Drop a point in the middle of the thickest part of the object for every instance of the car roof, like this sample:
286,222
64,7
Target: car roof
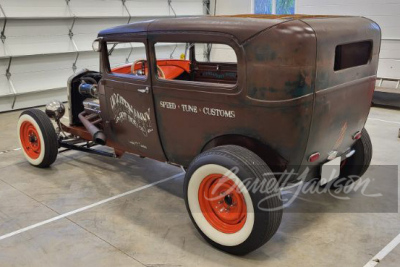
242,27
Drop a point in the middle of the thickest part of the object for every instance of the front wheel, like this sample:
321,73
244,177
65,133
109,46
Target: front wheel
233,199
37,138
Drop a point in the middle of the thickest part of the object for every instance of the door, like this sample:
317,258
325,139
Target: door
201,102
128,94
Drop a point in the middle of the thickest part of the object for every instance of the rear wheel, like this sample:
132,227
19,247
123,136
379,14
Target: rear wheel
37,138
354,167
224,202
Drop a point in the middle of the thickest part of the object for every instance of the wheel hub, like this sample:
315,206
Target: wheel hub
32,138
222,203
228,200
29,140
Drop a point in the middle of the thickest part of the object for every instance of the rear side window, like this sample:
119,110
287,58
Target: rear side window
352,55
215,53
196,62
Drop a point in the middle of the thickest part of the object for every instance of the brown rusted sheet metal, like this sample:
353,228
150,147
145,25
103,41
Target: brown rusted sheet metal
343,98
240,28
272,101
288,99
281,16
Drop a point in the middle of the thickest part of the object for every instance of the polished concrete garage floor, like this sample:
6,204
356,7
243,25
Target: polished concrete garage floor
69,224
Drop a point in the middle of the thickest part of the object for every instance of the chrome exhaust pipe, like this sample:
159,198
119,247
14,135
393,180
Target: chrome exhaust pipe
97,134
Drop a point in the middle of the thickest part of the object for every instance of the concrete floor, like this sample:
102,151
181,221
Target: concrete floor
150,227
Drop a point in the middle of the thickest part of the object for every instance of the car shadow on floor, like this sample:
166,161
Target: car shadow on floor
303,214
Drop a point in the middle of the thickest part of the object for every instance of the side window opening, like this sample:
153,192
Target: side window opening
352,55
217,53
128,58
196,62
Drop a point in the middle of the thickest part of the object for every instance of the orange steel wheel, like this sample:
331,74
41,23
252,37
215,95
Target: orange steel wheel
30,140
222,204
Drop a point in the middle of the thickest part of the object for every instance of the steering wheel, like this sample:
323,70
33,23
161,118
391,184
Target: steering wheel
160,72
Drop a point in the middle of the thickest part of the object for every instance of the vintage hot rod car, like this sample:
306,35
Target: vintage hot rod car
236,101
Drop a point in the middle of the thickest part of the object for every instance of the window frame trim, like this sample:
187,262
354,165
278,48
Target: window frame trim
198,37
356,66
106,67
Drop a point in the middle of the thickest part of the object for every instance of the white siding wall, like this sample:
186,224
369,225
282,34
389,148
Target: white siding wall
43,54
385,12
232,7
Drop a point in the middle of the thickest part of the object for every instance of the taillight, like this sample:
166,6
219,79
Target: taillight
314,157
357,135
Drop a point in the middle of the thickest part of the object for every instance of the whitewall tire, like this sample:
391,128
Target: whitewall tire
222,204
37,138
226,239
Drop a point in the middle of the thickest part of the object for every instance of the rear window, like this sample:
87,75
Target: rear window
352,55
196,62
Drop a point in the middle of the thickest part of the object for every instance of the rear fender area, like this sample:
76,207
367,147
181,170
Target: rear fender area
347,61
272,158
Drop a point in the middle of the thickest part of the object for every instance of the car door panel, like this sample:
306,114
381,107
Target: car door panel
131,119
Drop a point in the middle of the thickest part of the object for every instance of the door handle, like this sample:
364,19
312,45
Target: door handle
144,91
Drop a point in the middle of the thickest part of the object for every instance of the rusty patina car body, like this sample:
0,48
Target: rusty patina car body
298,96
288,101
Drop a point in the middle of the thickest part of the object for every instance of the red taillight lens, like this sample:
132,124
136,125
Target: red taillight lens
314,157
357,135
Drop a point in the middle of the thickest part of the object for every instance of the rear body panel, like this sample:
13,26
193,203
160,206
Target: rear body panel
342,97
280,87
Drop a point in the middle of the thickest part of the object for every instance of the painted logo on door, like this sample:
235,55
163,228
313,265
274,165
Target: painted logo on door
123,111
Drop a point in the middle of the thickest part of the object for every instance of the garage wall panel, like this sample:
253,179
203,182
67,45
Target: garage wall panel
4,86
385,12
232,7
31,37
40,98
35,8
41,72
362,9
30,45
389,68
37,27
43,52
187,7
5,101
3,65
5,89
345,2
2,51
170,51
98,8
149,8
88,60
390,49
86,30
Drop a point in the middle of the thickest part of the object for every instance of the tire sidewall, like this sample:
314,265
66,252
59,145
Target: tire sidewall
359,162
28,118
357,165
259,229
194,206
